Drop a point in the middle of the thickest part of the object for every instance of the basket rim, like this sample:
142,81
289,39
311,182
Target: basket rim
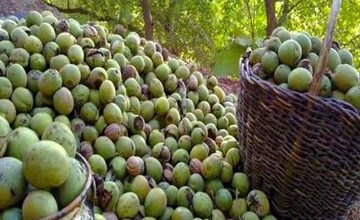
80,198
343,107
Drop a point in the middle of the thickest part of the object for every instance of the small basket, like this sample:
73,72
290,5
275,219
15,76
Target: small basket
81,208
300,149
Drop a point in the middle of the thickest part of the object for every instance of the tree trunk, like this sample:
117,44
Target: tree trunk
169,28
270,15
145,6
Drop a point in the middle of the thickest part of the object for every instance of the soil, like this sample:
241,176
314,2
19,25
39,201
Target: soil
227,84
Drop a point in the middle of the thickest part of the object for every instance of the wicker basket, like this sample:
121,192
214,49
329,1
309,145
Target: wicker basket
301,149
81,208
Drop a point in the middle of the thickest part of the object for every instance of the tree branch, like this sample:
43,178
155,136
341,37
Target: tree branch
270,15
352,41
284,13
247,4
169,26
286,9
328,41
146,9
79,10
67,10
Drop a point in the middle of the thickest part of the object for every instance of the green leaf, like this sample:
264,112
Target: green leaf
243,41
227,61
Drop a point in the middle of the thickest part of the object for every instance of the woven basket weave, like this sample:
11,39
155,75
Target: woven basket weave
309,168
301,149
80,208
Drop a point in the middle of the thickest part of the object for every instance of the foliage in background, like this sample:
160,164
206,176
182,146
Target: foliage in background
216,32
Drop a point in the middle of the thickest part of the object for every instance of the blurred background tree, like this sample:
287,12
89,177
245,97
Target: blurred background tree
215,33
